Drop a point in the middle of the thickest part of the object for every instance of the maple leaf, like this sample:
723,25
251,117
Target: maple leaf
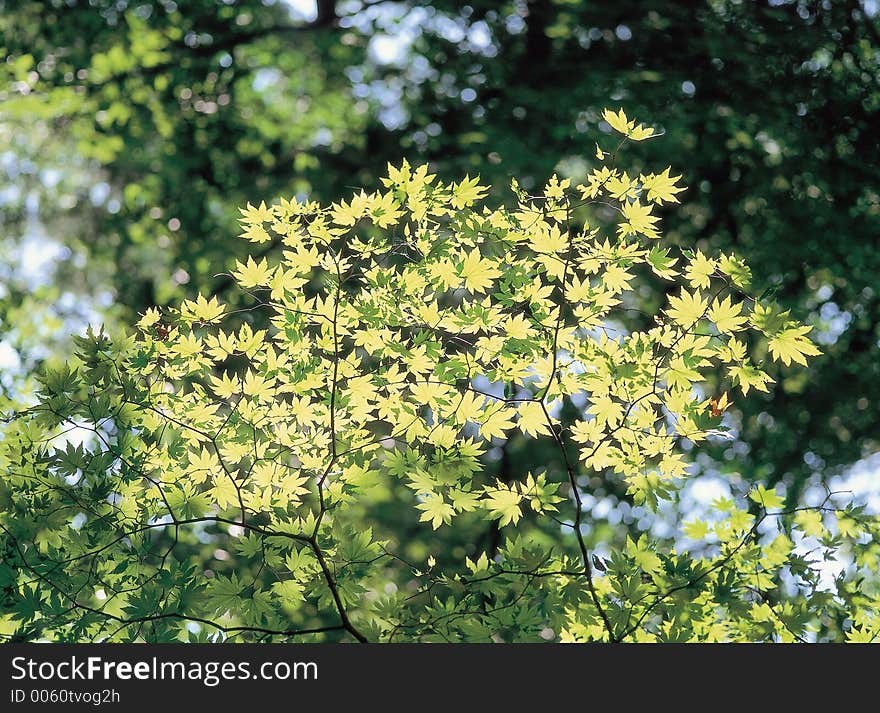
468,190
497,423
727,315
478,272
661,186
532,419
203,310
606,410
791,345
687,308
435,510
620,123
700,270
259,214
252,273
638,220
503,504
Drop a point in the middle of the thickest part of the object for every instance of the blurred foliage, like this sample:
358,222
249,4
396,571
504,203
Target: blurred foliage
154,120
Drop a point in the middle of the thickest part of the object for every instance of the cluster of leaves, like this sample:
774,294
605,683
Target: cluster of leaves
768,179
184,110
409,332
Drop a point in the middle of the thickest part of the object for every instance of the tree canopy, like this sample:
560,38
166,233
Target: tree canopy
132,132
183,111
409,331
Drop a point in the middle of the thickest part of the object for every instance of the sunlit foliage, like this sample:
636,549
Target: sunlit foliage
409,331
